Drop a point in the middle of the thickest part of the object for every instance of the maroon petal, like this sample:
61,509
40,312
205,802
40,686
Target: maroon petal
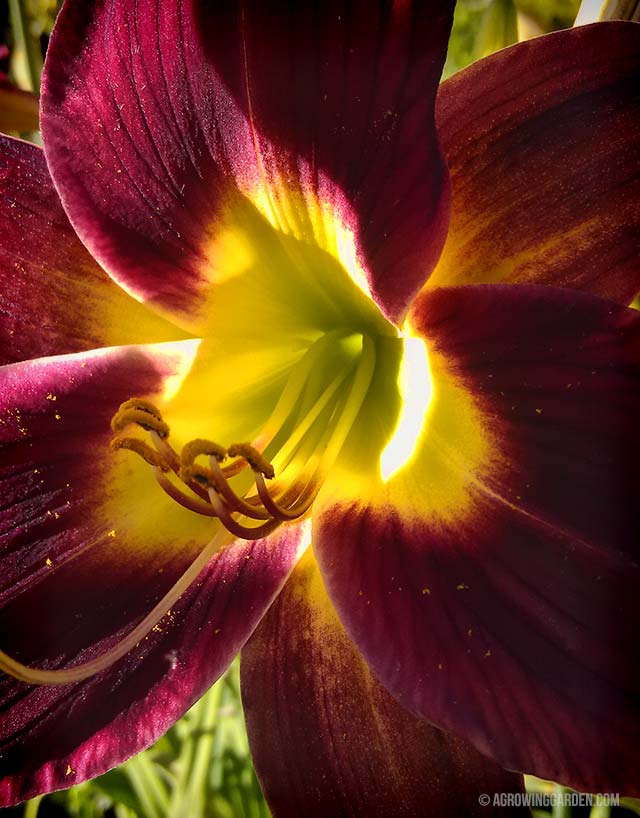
543,146
154,115
86,550
54,298
329,741
491,583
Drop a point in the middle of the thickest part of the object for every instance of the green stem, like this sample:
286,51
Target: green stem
204,749
32,806
26,43
591,11
621,10
560,810
150,790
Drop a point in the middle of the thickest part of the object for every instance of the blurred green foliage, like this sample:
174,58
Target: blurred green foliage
200,769
481,27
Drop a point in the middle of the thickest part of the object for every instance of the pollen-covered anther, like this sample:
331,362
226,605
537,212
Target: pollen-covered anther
253,457
200,446
143,404
134,444
131,415
194,473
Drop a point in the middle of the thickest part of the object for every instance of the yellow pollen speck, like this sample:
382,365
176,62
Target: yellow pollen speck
487,654
70,770
57,416
462,587
426,590
48,561
112,533
51,396
538,411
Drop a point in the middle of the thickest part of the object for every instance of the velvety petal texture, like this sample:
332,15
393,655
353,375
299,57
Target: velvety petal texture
54,298
491,581
90,545
320,117
543,146
329,741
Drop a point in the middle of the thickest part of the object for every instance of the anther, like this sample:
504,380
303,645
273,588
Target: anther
198,474
146,420
143,404
253,457
134,444
198,447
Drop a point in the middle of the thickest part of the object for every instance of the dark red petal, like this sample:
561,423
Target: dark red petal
86,549
153,114
492,582
54,298
543,146
329,741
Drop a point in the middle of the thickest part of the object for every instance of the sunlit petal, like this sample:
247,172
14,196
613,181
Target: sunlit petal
89,547
326,737
490,581
543,145
54,298
325,154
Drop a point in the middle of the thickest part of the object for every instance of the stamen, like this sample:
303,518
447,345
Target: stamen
142,404
277,510
146,420
234,502
134,444
353,404
236,528
293,441
253,457
298,379
195,473
191,503
166,450
199,446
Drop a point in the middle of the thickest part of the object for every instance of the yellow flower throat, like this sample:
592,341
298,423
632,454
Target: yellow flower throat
298,445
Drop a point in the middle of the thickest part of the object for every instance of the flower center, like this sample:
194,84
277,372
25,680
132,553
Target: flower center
285,466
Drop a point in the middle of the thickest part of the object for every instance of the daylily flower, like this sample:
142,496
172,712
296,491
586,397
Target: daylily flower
372,361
